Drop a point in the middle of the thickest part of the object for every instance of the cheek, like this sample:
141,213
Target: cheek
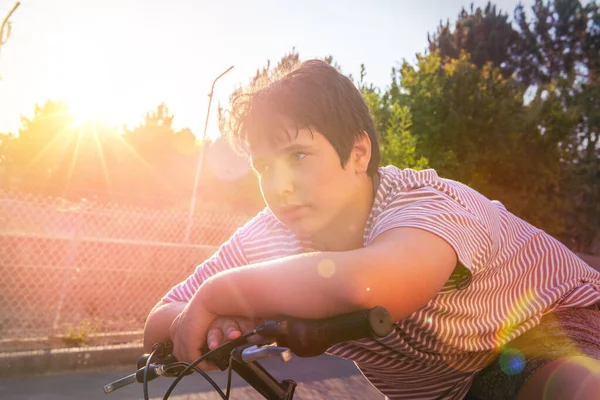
335,188
265,190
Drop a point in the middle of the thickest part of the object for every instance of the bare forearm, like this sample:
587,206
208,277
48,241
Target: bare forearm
401,270
159,321
313,285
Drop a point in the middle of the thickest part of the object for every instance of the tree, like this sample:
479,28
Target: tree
158,163
487,35
558,43
38,156
379,103
150,165
553,58
393,123
472,126
560,56
400,145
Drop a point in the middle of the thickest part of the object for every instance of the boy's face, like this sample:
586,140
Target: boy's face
304,184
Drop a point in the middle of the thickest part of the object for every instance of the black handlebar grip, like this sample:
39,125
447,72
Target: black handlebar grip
310,338
221,356
162,353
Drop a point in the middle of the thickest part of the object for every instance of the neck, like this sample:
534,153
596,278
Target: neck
347,230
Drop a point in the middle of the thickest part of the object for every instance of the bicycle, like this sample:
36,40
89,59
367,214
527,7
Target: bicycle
280,337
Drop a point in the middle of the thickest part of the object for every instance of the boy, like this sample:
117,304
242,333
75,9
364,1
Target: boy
469,284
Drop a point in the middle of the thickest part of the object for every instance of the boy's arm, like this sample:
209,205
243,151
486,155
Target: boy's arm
229,255
402,270
159,321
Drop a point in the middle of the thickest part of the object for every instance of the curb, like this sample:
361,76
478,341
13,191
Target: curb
39,362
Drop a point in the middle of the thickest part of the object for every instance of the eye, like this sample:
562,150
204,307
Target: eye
297,156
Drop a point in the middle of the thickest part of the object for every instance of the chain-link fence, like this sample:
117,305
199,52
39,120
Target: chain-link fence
63,264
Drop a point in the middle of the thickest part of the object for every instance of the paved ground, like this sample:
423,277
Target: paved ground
323,377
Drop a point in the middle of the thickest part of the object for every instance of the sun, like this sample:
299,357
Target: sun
99,107
92,99
84,112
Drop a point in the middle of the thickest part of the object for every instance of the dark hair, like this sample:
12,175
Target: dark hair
313,95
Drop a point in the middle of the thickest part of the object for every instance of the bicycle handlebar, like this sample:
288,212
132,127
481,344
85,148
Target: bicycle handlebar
303,337
312,337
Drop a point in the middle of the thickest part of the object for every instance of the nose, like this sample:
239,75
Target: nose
282,181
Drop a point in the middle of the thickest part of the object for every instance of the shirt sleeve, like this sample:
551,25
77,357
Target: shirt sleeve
451,218
229,255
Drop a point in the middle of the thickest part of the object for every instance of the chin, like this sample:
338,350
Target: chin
299,230
302,228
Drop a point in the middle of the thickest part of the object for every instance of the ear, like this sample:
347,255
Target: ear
361,153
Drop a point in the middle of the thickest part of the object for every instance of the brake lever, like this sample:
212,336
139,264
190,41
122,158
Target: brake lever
254,353
221,357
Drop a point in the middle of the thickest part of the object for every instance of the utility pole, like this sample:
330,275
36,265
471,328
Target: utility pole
6,25
190,219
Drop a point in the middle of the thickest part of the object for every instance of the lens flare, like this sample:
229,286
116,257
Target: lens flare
514,316
512,362
326,268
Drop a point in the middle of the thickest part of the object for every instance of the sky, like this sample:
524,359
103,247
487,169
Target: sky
118,59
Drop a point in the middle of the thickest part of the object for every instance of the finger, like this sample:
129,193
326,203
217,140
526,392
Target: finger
182,353
231,329
214,337
234,335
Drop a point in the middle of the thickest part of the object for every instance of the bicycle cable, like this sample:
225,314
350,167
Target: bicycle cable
198,370
229,370
199,360
146,397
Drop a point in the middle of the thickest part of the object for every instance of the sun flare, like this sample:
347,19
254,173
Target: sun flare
84,113
91,98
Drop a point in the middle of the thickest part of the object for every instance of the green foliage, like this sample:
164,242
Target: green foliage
465,120
378,103
486,34
560,58
400,149
470,124
562,37
82,334
512,110
538,129
393,122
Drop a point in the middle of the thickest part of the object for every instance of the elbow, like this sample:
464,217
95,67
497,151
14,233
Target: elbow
359,290
385,284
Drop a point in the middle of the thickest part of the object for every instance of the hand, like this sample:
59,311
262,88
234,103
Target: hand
188,332
229,328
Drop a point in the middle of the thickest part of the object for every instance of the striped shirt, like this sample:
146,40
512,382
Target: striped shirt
509,275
